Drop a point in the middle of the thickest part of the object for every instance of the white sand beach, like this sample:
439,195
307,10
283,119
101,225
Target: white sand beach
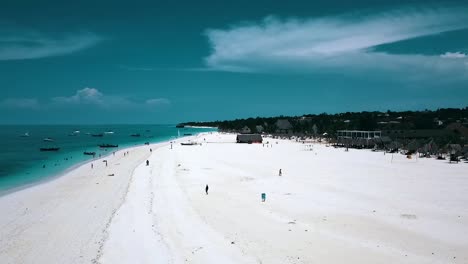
329,206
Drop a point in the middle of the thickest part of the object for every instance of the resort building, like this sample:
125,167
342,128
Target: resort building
358,134
249,138
358,138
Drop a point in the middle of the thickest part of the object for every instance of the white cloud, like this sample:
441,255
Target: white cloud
33,45
338,42
20,103
453,55
93,97
87,97
83,96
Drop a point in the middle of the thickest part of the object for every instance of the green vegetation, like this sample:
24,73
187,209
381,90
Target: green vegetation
427,122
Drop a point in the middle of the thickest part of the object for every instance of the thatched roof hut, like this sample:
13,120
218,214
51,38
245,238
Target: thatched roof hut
283,126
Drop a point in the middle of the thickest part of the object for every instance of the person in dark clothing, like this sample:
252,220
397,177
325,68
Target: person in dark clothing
147,162
206,189
280,172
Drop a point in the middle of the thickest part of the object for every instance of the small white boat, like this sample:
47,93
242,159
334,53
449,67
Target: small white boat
75,133
48,140
25,134
109,132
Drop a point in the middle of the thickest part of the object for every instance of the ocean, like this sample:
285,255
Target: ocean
22,163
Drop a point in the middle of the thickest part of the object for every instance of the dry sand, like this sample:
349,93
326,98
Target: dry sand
329,206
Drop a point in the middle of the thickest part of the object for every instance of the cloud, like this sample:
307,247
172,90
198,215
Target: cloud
453,55
93,97
83,96
332,43
20,103
34,45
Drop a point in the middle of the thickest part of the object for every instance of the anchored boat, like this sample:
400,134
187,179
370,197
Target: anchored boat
49,149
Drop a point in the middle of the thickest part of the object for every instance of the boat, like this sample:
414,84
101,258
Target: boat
97,135
135,135
188,143
48,140
108,146
25,135
89,153
109,132
49,149
74,133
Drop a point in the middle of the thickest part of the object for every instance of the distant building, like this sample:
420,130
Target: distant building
358,134
358,137
283,126
246,130
249,138
305,119
438,121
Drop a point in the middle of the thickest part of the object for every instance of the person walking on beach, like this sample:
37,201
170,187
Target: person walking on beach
206,189
280,172
92,166
147,162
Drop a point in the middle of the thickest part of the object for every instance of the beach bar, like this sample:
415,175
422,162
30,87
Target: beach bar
249,138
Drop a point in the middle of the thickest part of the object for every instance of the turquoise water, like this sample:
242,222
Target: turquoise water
22,163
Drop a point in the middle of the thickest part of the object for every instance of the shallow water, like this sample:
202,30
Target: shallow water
22,163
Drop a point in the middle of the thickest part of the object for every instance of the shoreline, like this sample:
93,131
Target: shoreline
55,175
76,207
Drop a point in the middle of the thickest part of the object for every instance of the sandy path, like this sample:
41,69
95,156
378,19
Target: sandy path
159,225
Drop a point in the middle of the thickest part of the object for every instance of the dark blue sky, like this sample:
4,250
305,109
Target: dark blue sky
174,61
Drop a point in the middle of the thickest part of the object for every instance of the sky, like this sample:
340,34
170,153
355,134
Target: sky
165,62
